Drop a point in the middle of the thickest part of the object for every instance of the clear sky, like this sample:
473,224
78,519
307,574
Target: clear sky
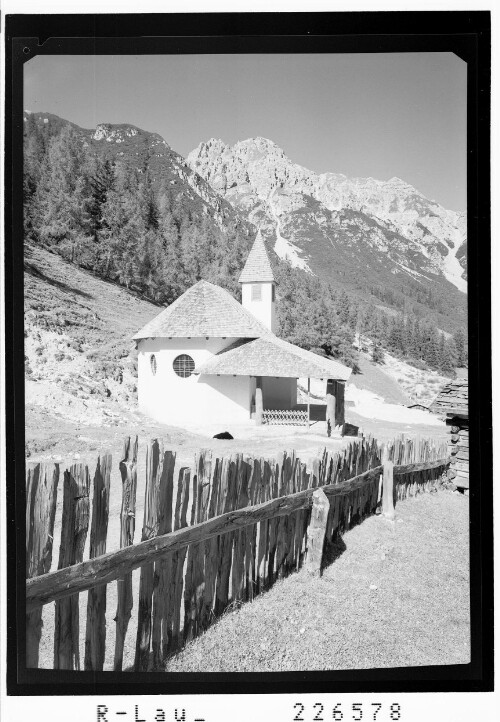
379,115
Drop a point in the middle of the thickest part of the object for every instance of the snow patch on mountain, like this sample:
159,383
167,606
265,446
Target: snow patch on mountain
288,251
414,274
285,249
452,268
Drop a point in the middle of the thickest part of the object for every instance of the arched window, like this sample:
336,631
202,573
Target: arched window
152,361
183,366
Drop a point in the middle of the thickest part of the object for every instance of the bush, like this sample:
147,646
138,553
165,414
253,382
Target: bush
377,354
318,350
418,364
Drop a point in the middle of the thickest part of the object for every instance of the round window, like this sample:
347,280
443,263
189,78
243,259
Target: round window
152,361
183,365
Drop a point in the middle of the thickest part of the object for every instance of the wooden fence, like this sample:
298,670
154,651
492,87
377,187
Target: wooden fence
416,470
212,536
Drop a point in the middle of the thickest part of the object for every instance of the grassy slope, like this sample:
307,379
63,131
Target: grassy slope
374,378
398,379
344,258
418,614
100,318
80,359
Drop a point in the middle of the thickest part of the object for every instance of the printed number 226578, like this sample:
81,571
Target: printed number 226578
342,713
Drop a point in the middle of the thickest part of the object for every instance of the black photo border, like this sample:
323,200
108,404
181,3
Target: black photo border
465,33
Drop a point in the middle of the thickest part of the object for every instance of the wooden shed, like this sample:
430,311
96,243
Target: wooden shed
453,403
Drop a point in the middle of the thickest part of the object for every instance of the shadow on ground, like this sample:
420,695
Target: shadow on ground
333,550
34,271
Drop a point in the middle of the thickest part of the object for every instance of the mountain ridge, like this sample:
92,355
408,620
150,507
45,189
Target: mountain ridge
350,248
166,166
256,177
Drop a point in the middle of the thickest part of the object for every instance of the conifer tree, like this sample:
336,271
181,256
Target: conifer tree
34,147
449,357
102,180
62,195
461,347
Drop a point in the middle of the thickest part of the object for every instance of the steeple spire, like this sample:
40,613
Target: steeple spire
258,284
257,267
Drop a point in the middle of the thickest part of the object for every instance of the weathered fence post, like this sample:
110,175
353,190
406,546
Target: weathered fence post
75,524
263,547
229,488
238,564
128,470
41,498
154,454
175,589
196,553
95,635
251,540
316,531
387,484
211,548
163,567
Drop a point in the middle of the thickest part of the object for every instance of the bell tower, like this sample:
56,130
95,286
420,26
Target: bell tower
258,285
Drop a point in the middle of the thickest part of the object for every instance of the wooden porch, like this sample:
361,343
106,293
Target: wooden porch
333,411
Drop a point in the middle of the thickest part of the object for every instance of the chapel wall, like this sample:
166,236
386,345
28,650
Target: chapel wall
171,399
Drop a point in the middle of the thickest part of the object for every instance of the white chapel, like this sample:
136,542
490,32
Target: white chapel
207,358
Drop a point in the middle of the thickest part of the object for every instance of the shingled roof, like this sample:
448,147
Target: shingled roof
258,267
271,356
204,310
453,399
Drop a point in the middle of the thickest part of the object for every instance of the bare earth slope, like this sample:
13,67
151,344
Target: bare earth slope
78,331
80,360
374,378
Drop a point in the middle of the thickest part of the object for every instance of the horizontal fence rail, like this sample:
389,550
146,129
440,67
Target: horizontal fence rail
422,466
215,534
114,565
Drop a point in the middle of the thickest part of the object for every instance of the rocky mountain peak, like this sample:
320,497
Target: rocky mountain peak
257,148
257,178
114,133
209,148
